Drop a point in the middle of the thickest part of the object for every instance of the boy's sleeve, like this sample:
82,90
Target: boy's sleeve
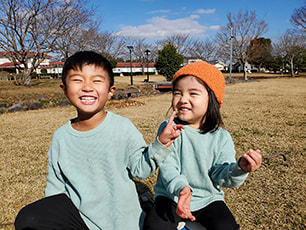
226,171
55,181
143,160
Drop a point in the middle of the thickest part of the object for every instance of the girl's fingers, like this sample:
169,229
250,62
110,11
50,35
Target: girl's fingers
254,160
171,119
178,127
254,155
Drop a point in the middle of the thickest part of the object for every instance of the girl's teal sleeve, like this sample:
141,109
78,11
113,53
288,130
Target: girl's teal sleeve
226,171
170,170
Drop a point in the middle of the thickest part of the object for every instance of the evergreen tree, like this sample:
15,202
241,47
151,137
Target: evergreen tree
168,61
259,52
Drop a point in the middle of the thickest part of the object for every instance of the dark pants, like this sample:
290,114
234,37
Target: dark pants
215,216
54,212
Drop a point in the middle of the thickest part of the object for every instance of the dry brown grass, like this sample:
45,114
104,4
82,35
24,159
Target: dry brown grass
269,114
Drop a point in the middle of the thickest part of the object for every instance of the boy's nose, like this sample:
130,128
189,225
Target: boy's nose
87,86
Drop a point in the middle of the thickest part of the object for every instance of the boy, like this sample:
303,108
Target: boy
93,156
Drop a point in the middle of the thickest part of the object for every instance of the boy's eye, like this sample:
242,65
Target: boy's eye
98,80
76,79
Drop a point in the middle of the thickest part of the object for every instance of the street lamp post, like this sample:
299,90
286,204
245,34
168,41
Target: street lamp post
147,52
231,55
130,49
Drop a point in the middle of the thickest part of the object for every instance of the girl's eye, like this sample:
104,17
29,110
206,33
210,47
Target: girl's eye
176,92
195,93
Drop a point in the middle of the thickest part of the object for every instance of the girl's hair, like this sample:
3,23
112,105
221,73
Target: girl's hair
212,119
79,59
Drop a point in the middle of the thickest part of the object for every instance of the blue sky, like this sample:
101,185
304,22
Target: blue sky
157,19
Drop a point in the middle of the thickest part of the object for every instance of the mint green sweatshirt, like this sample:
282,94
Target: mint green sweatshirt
201,161
94,169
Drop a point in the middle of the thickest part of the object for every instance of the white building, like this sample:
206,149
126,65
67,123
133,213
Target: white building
124,68
51,67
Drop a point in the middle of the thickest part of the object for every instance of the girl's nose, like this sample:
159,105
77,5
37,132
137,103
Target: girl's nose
183,98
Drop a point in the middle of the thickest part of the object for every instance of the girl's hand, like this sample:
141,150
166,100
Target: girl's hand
183,204
250,161
170,132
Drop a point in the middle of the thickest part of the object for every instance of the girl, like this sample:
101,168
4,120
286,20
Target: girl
203,158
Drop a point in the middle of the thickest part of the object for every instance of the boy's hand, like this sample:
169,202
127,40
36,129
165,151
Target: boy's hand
170,132
250,161
183,204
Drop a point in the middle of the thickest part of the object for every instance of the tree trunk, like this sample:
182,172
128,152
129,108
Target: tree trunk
245,74
292,67
27,77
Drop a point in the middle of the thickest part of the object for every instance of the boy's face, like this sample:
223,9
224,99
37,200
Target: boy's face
88,89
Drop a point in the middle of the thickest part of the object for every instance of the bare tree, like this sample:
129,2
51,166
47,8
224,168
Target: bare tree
203,49
76,37
298,18
34,27
182,42
110,45
246,27
290,46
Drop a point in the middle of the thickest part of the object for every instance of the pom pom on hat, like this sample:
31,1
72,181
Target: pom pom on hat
206,72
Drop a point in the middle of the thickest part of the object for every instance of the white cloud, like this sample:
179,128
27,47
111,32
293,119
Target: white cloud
158,11
194,16
161,27
202,11
214,27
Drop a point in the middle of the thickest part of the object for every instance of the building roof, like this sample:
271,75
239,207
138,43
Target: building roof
61,63
134,64
8,65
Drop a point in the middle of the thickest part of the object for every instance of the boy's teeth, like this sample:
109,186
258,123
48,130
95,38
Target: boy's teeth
87,98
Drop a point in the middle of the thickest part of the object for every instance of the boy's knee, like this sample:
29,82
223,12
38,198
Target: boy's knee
26,219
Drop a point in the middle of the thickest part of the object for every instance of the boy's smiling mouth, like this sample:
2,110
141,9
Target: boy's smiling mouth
88,100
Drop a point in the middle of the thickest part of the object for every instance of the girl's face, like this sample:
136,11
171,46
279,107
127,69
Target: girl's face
190,101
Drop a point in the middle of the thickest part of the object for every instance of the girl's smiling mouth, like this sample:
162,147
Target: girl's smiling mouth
183,109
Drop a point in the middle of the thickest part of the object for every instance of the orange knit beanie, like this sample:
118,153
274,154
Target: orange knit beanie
206,72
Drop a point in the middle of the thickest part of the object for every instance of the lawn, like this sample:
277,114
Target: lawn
269,114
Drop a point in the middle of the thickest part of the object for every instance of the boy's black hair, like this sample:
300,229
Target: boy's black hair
212,118
81,58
